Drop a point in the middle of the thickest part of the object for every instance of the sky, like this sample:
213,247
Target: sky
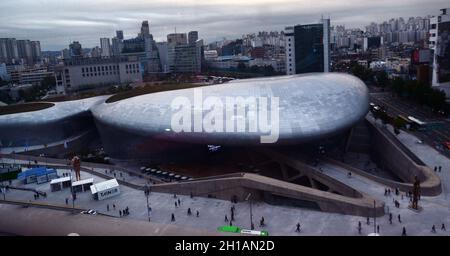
58,22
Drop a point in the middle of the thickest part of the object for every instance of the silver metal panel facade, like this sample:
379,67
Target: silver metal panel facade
57,123
312,107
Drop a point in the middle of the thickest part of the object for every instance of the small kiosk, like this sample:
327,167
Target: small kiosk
37,175
60,183
82,185
105,189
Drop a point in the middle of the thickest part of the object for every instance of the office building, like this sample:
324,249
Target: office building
308,48
373,42
75,49
145,30
96,52
9,52
119,34
192,37
81,73
117,46
106,47
185,58
440,46
177,38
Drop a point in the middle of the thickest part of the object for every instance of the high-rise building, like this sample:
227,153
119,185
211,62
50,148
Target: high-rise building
308,48
440,45
185,58
75,49
117,46
192,37
106,47
96,52
9,52
373,42
119,34
177,38
145,29
36,51
24,50
163,56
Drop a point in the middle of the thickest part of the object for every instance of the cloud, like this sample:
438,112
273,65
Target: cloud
55,23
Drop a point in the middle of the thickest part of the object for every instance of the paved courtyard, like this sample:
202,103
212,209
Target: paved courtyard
280,220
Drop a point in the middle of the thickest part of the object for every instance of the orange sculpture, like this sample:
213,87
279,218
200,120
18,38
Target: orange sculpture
76,164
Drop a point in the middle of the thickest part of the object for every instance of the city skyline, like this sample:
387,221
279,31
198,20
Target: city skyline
74,20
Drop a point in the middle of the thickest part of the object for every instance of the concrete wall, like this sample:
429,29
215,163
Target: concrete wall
395,156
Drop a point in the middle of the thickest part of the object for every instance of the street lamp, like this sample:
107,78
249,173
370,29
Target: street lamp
147,193
251,213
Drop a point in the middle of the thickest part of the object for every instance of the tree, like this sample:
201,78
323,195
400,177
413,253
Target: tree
382,79
363,73
241,67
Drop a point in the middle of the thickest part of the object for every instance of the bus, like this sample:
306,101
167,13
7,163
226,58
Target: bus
406,121
416,124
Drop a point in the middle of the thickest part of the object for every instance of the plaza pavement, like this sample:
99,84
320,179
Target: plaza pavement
280,220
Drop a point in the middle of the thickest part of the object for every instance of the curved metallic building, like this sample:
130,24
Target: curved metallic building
58,123
311,107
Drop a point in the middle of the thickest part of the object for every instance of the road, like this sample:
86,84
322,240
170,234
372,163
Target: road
396,106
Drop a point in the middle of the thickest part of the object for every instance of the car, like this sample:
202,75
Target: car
419,142
447,145
90,212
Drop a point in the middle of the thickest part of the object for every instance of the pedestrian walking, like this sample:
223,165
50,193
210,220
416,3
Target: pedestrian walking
359,227
440,168
261,222
433,229
173,217
226,218
378,229
174,195
189,211
399,219
443,227
107,207
390,218
198,214
114,207
176,205
67,201
120,213
368,221
298,227
192,195
435,168
404,231
179,201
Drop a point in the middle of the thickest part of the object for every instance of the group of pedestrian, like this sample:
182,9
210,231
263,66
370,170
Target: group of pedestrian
189,212
387,192
124,212
177,202
36,196
437,168
433,228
